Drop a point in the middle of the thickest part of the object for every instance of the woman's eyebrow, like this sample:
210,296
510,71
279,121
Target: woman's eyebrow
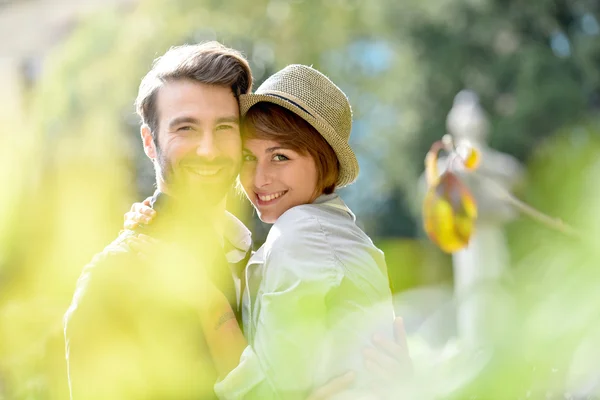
272,149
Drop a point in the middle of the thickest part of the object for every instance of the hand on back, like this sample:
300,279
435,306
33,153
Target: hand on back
139,214
388,360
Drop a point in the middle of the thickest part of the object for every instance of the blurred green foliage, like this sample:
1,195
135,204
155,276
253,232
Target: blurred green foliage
401,63
535,65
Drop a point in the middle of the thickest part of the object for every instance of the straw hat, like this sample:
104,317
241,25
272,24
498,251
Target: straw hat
311,95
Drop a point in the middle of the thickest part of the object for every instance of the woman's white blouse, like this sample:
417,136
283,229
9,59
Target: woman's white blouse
315,293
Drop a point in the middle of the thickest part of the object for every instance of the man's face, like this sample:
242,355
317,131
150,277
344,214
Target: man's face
199,143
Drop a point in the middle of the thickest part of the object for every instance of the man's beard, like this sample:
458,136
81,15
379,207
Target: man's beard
202,193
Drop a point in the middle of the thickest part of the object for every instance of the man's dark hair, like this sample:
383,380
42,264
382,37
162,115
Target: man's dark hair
209,63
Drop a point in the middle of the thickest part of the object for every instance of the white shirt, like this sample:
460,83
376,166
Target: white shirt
315,293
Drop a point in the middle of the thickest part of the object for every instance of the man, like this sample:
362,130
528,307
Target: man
131,330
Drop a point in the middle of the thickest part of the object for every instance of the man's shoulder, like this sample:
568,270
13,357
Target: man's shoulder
117,251
119,245
101,266
114,249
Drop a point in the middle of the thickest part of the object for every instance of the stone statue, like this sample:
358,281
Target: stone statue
467,123
484,307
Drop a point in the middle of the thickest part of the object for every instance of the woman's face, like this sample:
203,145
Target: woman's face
276,179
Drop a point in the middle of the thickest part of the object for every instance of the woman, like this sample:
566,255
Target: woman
317,290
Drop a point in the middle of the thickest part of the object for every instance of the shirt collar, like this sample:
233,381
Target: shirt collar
237,236
335,201
237,239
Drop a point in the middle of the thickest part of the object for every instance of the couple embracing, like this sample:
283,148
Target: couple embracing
178,306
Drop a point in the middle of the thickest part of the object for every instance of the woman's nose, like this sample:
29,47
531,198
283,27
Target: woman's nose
262,176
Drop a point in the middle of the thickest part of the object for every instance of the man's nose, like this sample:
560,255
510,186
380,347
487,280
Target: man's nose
207,146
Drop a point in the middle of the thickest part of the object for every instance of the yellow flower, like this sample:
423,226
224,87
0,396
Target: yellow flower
449,213
449,209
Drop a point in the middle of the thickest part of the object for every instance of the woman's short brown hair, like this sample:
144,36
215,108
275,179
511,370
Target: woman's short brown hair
267,121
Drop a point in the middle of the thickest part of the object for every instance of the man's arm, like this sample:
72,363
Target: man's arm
223,335
94,327
132,331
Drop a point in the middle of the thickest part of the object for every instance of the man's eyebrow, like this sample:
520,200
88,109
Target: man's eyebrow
183,120
191,120
231,119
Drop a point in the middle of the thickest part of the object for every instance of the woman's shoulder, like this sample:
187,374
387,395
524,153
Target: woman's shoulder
296,214
307,225
299,234
313,217
300,228
297,249
320,231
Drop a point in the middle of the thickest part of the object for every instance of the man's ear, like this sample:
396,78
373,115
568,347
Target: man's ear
148,141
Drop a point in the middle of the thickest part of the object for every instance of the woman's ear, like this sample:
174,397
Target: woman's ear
148,142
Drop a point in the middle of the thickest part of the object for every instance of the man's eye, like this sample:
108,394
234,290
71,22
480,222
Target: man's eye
224,127
280,157
185,128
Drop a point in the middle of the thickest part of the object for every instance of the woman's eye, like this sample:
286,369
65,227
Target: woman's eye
280,157
249,157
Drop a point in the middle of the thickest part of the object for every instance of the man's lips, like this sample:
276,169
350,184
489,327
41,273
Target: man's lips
205,170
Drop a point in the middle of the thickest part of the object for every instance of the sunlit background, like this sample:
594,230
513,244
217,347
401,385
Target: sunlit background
71,164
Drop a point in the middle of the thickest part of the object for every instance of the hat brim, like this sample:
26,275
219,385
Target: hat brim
348,163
